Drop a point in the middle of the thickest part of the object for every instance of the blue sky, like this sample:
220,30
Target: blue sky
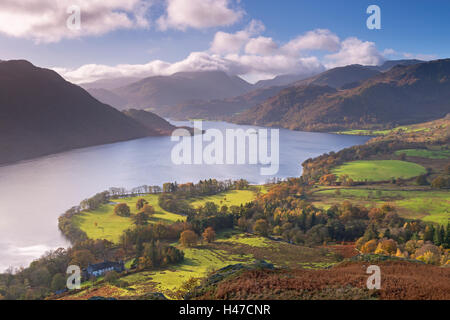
410,28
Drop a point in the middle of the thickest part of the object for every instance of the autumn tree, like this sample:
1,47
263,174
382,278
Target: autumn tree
141,218
369,246
243,224
261,227
82,258
148,210
122,209
209,235
140,203
386,247
328,180
188,238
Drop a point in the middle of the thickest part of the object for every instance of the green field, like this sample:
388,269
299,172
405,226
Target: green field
425,153
104,224
431,206
229,198
379,170
197,263
362,132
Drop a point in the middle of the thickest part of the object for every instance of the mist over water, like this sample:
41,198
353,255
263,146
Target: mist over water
34,193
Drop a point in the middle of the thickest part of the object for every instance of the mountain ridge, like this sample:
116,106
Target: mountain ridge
41,114
402,95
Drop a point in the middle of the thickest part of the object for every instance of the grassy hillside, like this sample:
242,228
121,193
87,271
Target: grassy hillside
379,170
230,198
103,223
230,248
428,205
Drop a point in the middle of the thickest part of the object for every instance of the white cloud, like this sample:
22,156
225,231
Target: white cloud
198,14
196,61
224,42
46,20
261,46
249,54
355,51
229,42
319,39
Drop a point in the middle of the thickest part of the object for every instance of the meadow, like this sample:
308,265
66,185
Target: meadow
406,129
425,153
430,206
379,170
103,223
229,198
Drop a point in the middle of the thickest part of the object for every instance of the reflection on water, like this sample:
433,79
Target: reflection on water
34,193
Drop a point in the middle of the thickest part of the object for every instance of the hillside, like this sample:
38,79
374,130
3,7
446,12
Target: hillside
339,77
402,95
41,113
346,281
108,97
154,123
218,109
283,80
161,92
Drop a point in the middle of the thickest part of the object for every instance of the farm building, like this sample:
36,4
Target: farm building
99,269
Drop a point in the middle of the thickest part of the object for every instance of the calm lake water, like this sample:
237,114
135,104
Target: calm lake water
34,193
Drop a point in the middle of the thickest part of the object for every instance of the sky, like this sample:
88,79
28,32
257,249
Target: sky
256,39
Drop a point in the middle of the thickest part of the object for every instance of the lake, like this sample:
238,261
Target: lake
34,193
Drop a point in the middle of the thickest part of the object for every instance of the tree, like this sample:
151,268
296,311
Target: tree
369,247
82,258
122,209
429,233
261,227
141,218
386,247
210,208
447,236
111,276
148,210
440,182
140,203
328,180
242,224
58,282
188,238
209,235
422,180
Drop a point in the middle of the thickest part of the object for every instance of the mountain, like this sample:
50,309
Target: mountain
402,95
387,65
110,84
219,109
161,92
108,97
41,113
283,80
151,121
339,77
